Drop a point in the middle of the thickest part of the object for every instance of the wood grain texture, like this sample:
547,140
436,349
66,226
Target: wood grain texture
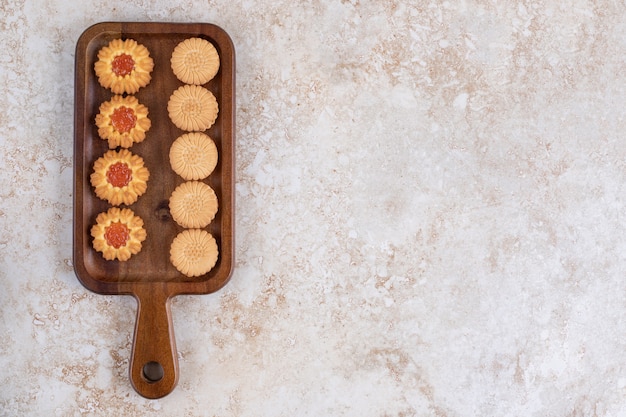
149,276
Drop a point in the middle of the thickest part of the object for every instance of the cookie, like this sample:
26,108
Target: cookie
119,177
122,121
195,61
193,204
192,108
118,234
124,66
194,252
193,156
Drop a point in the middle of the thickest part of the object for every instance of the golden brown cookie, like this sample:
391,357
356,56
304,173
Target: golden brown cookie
119,177
122,121
195,61
193,156
192,108
193,204
118,234
194,252
124,66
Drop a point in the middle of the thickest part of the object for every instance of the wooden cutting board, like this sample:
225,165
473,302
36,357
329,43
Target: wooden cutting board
149,276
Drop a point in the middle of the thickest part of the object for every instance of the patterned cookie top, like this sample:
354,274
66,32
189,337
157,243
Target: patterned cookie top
195,61
193,204
192,108
193,156
194,252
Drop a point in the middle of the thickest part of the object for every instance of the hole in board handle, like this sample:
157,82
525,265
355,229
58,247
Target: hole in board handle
153,372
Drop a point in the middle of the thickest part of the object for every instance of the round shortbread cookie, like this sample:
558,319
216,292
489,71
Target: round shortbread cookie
192,108
119,177
193,156
193,204
195,61
124,66
194,252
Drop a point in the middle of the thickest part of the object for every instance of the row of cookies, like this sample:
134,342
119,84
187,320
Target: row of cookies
193,156
119,176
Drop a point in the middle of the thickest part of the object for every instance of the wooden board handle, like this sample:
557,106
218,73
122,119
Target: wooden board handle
154,362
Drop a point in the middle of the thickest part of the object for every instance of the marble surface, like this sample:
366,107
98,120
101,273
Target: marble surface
430,215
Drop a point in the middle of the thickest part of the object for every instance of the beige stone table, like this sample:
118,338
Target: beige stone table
431,215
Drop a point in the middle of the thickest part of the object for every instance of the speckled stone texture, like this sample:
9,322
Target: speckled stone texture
430,215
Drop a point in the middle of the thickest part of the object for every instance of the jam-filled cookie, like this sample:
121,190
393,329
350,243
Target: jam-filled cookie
122,121
118,234
119,177
124,66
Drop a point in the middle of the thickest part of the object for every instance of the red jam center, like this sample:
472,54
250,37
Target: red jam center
123,119
117,234
119,174
123,65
